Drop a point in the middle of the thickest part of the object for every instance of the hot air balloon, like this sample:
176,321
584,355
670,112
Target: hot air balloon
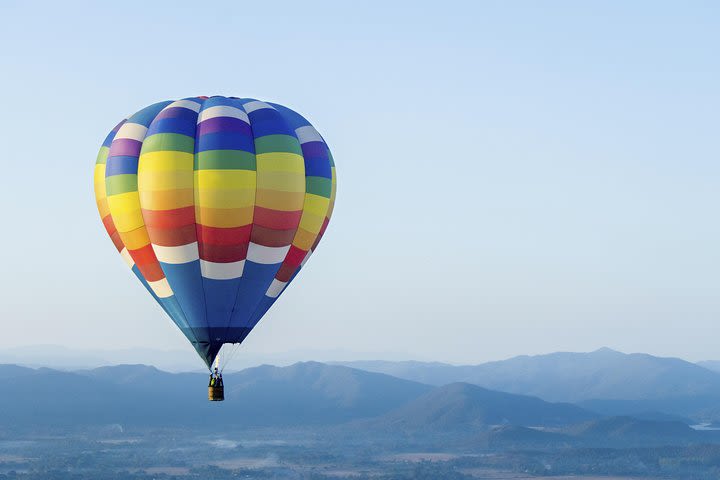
215,203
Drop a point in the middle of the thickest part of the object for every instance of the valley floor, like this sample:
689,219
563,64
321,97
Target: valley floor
320,454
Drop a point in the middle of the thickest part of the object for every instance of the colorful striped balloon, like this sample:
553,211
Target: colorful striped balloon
216,204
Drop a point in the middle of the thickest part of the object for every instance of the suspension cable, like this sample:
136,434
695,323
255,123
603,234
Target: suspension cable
229,355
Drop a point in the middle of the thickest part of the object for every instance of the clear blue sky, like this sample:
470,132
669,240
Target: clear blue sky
514,177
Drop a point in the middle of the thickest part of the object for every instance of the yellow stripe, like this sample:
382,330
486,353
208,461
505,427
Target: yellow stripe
124,202
311,222
332,193
224,217
127,221
135,239
282,181
102,206
100,191
165,161
215,198
316,204
280,162
315,208
285,201
99,181
176,180
304,239
225,179
166,199
125,211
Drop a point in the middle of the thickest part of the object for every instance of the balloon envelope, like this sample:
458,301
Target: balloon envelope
215,203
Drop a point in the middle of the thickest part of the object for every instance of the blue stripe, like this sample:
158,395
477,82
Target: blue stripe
260,310
317,167
251,292
121,165
220,298
267,302
223,141
109,139
186,283
267,121
181,125
293,119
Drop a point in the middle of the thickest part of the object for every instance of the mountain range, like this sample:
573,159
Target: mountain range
568,377
302,394
308,393
554,399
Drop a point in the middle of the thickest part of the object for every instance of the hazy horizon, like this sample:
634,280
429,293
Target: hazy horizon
182,359
513,178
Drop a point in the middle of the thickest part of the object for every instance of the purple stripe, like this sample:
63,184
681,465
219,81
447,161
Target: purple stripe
117,127
223,124
125,147
314,149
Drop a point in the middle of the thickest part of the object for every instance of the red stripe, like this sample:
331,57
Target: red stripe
223,236
117,241
295,256
269,237
169,218
109,224
320,233
223,253
276,219
172,237
285,273
147,263
112,232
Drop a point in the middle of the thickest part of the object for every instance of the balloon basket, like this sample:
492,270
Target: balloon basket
216,394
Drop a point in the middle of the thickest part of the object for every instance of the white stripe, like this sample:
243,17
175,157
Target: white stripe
161,288
189,104
132,131
222,271
255,105
126,256
266,255
223,111
307,255
276,288
182,254
308,134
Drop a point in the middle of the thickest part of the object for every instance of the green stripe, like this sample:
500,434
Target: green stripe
102,156
117,184
225,160
319,186
277,143
163,142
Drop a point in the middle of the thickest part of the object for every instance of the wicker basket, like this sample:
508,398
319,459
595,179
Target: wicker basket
216,394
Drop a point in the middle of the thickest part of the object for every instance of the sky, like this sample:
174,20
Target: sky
513,177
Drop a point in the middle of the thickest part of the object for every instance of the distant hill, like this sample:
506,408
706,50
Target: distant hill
625,426
713,365
613,432
628,431
302,394
308,393
461,406
14,371
569,377
684,408
431,373
353,402
514,437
